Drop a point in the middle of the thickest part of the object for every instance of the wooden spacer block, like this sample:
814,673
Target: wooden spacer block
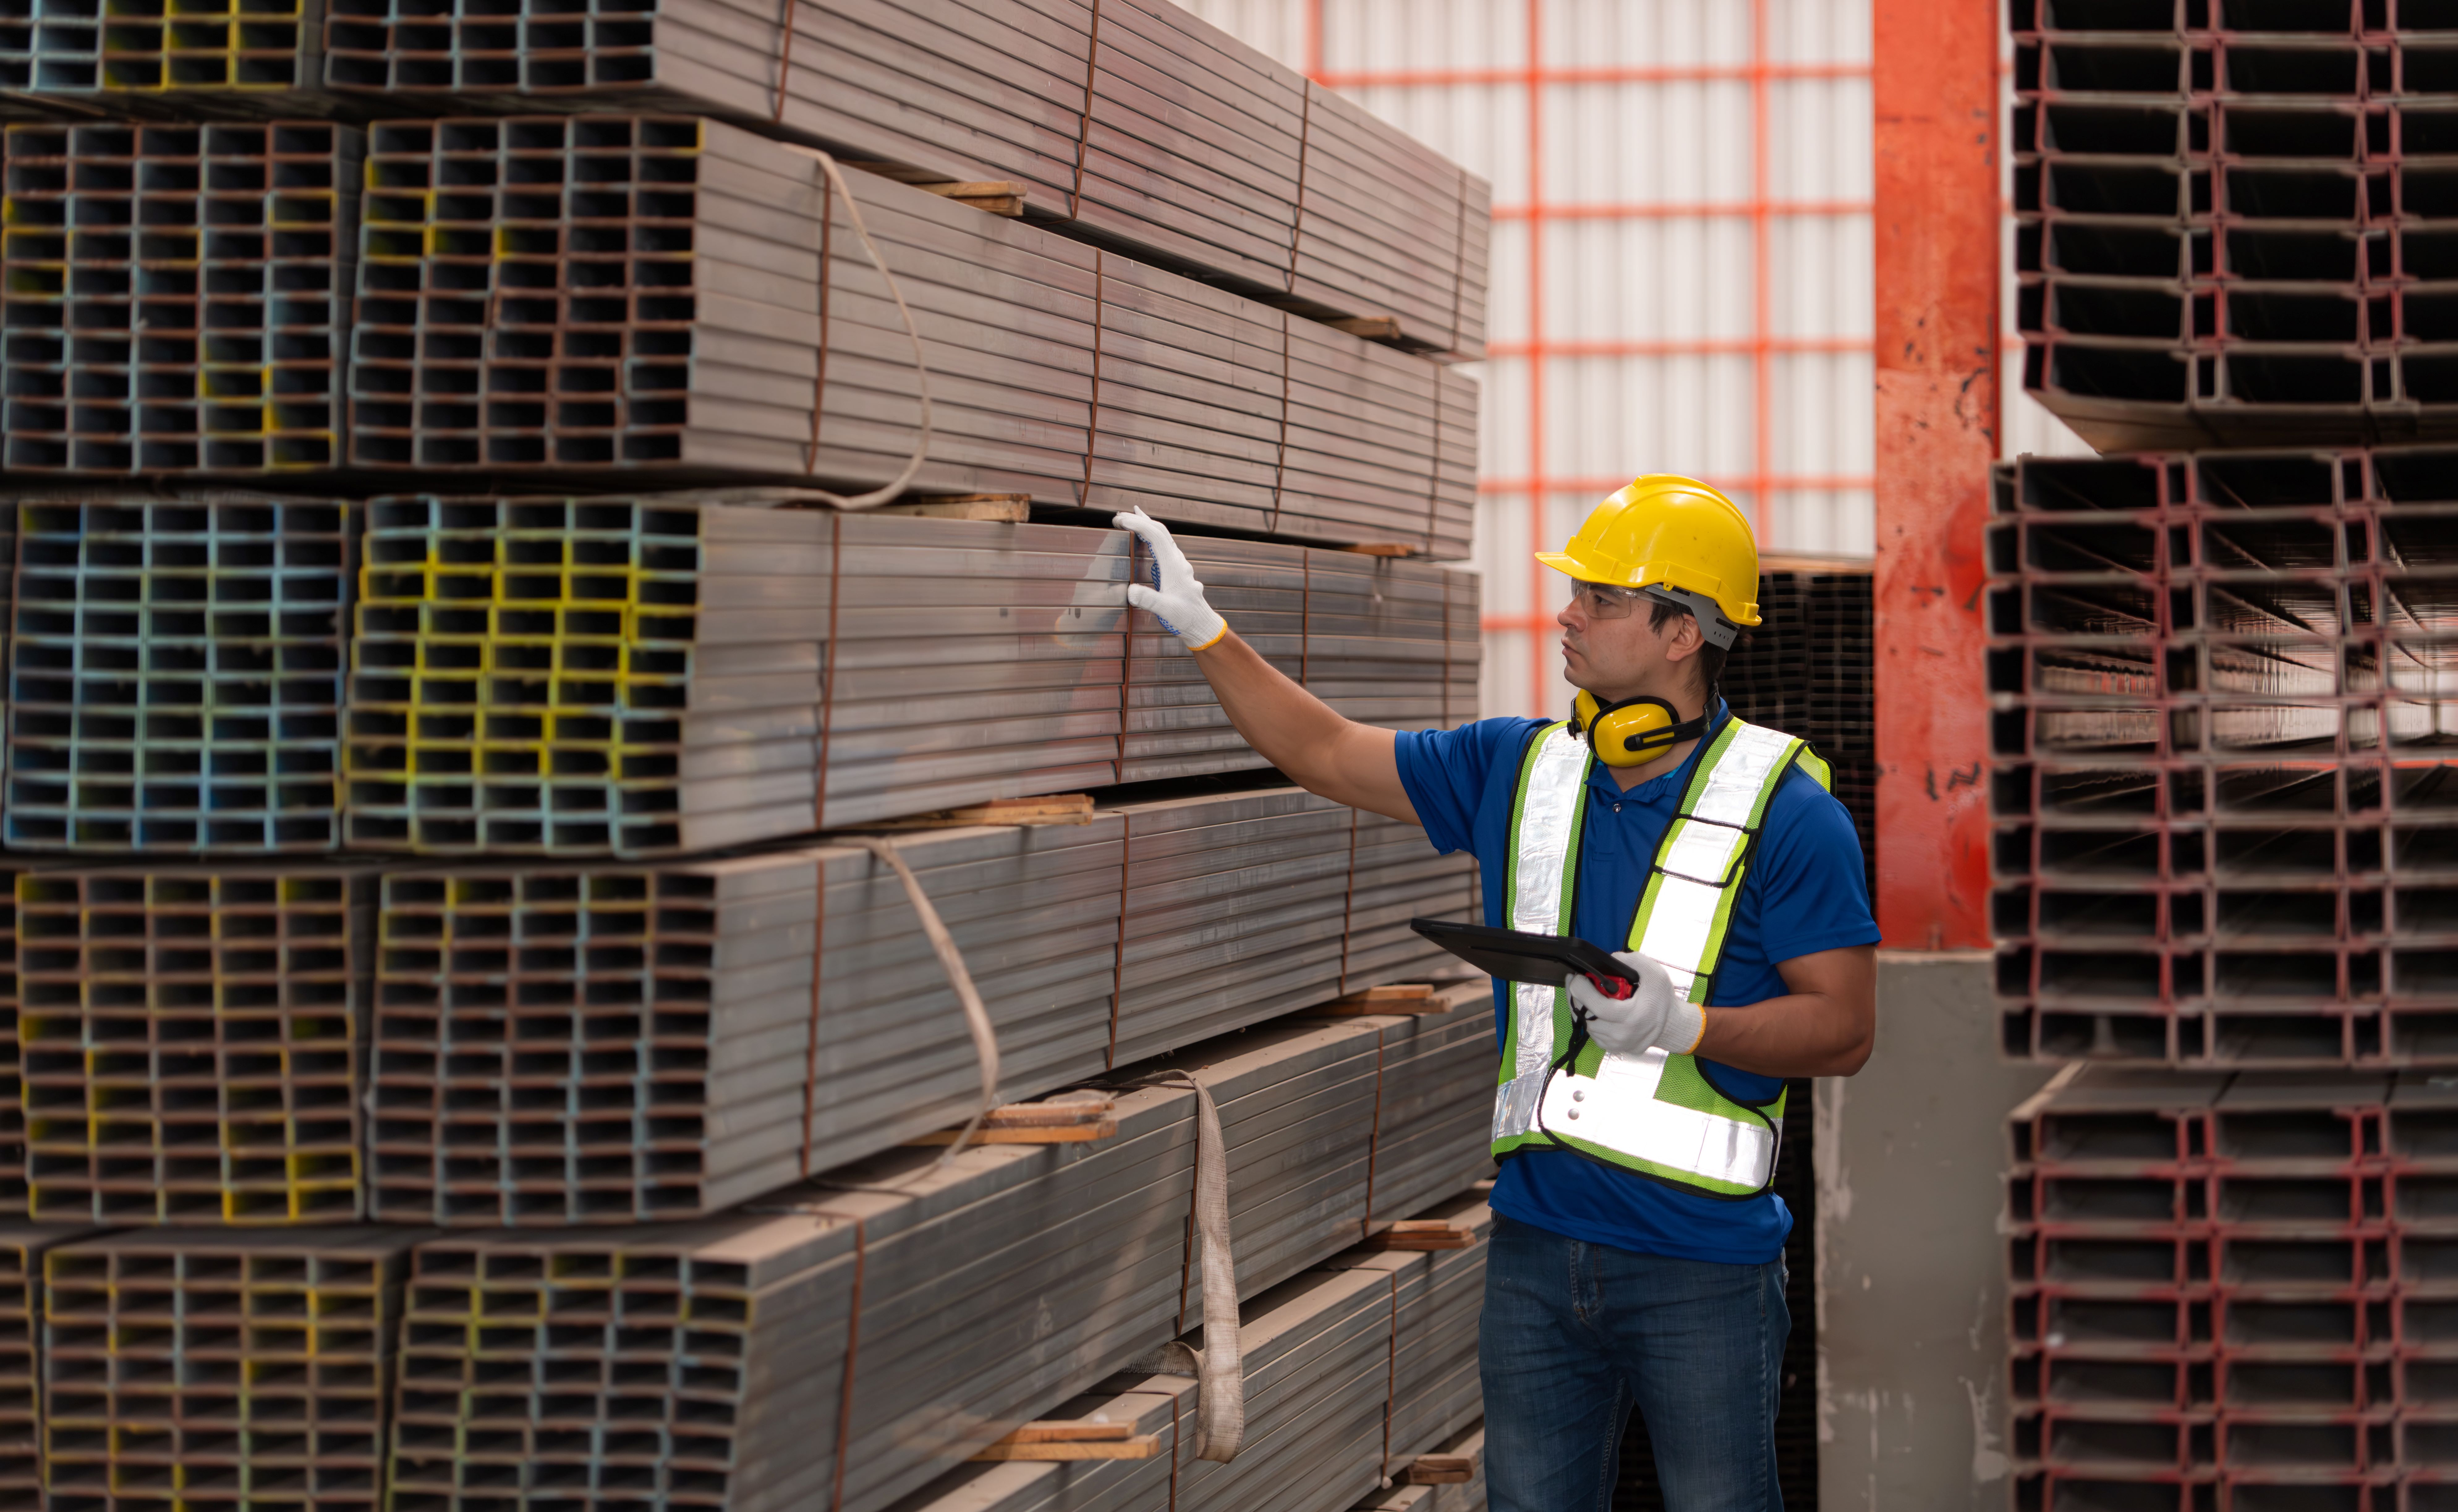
997,195
1068,1119
1372,327
1380,548
1399,997
1063,1438
1421,1233
1012,508
1439,1470
1057,807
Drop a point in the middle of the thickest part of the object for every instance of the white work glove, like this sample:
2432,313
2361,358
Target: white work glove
1652,1017
1175,597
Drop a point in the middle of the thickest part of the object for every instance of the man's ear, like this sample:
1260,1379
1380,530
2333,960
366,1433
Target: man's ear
1685,639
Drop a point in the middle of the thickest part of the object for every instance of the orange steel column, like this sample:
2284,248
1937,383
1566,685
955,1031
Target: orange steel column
1938,127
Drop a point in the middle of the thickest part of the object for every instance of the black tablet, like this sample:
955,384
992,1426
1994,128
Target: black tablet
1517,956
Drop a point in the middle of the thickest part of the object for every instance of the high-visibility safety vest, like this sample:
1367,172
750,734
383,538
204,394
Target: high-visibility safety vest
1653,1113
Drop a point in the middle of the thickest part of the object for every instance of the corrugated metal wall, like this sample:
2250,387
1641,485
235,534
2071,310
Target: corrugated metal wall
1681,259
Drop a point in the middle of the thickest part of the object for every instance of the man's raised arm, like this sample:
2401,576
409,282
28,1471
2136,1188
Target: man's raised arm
1342,760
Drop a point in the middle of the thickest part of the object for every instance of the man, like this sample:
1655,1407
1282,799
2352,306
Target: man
1636,1257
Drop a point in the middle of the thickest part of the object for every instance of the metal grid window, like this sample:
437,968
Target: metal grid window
190,1046
178,295
527,291
175,675
519,674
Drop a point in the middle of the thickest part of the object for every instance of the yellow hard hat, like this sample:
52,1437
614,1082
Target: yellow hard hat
1677,538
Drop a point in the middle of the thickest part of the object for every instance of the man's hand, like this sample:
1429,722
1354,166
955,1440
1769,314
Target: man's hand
1654,1016
1175,597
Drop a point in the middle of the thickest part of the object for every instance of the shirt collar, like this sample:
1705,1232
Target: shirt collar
1600,776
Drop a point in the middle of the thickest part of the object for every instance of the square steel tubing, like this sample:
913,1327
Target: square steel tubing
179,294
1155,131
193,1042
175,673
514,655
2232,224
611,1043
921,1308
218,1367
21,1333
153,57
2219,829
659,1364
558,677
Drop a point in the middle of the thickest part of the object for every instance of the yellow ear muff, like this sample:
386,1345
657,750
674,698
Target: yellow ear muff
1630,733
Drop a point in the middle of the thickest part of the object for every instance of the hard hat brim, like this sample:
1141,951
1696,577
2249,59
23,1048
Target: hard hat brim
1564,562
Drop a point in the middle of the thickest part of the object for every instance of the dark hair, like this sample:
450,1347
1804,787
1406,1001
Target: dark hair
1710,660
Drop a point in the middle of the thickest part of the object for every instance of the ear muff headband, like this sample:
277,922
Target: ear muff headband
1634,730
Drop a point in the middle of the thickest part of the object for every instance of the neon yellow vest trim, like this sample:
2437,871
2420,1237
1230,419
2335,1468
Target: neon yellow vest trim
1652,1113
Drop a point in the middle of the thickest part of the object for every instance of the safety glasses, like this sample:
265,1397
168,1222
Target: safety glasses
1607,600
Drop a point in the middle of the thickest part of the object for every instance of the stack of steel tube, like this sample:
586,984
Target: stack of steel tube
2216,660
2236,224
499,855
857,1338
2234,1283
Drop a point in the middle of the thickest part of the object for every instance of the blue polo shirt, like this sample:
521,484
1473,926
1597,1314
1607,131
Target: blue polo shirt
1804,893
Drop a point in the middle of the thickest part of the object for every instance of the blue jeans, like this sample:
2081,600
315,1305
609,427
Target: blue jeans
1575,1335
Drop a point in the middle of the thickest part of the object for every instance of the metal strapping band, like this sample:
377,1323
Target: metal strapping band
1434,459
1119,956
1297,221
1127,657
1084,118
1373,1142
811,1045
1305,616
828,670
1447,649
1459,271
1280,457
791,8
827,270
844,1390
1347,905
1093,414
1391,1380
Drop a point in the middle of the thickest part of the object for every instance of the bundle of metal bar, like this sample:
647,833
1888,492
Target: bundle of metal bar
196,1365
2232,1287
617,1044
905,1310
175,673
12,1084
649,676
1392,879
21,1333
573,294
1351,1369
191,1042
622,1043
179,294
1428,1136
2222,827
1140,126
253,59
2234,223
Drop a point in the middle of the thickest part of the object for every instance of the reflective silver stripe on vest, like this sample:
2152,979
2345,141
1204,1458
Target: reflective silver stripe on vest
1617,1107
1539,888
